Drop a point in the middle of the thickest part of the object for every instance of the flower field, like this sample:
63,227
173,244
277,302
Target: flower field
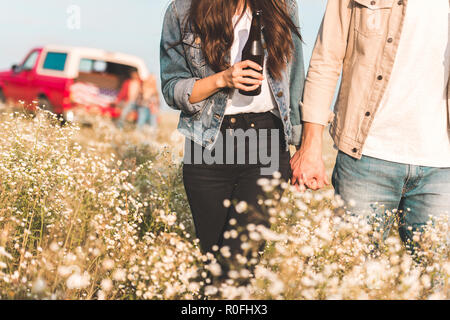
99,213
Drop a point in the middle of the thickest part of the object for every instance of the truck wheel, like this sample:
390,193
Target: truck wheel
2,97
45,104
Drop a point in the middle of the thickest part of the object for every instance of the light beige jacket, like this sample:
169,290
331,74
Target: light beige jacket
359,38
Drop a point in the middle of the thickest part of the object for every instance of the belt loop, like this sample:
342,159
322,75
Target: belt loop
243,118
247,120
226,122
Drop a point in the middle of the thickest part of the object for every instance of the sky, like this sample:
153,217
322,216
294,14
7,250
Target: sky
132,26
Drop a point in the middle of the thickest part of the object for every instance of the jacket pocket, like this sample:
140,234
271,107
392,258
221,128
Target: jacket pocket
194,54
372,16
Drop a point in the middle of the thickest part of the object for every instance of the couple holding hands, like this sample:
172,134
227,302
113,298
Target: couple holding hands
391,121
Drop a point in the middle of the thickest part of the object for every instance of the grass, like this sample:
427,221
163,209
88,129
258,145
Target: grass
98,213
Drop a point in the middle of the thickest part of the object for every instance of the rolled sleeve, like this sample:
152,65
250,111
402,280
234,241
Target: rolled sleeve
316,109
182,92
326,63
296,138
177,80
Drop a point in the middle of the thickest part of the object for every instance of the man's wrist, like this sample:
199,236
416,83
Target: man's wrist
312,139
313,134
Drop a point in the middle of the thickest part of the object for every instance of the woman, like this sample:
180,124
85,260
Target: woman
202,73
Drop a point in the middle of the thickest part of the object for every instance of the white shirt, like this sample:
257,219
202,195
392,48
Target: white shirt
239,103
410,126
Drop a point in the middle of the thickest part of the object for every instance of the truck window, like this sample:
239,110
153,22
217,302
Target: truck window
55,61
103,74
88,65
31,61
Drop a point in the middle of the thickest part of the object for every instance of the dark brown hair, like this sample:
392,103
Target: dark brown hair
212,20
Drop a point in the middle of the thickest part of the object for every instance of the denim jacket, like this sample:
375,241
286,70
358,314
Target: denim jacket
183,63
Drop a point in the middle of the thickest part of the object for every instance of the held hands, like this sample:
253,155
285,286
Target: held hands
241,77
308,168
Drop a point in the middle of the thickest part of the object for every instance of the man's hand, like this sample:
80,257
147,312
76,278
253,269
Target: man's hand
308,168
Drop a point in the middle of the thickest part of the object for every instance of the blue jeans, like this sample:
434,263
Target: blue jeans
130,107
144,115
413,193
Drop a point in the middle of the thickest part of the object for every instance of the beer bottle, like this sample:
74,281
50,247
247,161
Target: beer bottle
253,49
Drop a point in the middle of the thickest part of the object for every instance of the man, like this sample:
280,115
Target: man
150,97
131,94
391,122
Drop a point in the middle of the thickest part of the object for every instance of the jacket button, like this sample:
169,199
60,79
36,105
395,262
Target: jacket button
233,120
252,125
390,40
380,78
355,150
373,3
280,94
368,114
400,2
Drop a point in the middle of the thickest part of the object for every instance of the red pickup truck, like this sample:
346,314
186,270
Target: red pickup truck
62,79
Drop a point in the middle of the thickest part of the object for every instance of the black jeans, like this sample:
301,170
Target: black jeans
209,185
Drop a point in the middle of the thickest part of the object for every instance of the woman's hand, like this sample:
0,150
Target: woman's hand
241,76
235,78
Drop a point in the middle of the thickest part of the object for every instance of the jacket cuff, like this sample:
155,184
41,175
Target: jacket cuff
315,115
182,92
296,138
